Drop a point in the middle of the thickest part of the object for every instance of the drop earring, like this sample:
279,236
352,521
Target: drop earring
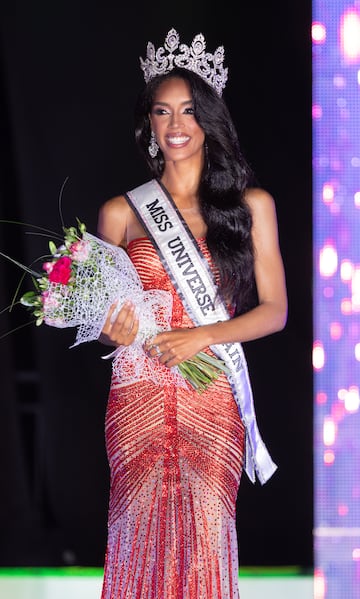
153,146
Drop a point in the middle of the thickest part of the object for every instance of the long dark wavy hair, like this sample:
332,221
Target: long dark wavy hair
224,179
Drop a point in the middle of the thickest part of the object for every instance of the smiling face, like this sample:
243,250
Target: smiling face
173,122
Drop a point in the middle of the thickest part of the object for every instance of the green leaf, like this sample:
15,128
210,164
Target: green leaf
82,227
52,248
28,299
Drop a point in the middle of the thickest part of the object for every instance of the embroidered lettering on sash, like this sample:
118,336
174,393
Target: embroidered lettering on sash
178,251
191,275
234,355
159,215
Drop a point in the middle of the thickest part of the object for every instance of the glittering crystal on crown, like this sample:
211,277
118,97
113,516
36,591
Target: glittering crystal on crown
193,58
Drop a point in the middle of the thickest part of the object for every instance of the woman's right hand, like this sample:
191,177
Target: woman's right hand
122,329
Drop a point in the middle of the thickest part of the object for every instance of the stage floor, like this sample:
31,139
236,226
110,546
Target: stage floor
85,583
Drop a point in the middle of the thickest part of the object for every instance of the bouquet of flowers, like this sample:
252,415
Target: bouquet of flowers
81,279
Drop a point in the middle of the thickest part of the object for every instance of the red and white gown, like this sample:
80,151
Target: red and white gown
176,458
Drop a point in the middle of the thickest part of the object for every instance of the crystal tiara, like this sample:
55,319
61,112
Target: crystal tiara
193,58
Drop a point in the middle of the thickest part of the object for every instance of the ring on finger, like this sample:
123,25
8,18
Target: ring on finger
157,349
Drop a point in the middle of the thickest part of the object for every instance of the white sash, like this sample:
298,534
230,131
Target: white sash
192,278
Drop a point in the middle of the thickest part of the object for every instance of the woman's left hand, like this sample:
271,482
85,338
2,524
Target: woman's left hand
173,347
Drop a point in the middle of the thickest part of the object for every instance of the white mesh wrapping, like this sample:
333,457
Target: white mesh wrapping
105,275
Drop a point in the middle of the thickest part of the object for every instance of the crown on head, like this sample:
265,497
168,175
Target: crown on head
194,58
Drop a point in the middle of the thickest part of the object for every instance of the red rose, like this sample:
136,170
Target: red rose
61,271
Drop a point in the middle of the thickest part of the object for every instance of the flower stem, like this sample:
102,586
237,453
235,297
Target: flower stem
201,370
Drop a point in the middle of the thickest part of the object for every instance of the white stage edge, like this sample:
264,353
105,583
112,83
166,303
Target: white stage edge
32,586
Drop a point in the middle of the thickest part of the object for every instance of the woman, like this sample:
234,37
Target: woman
176,455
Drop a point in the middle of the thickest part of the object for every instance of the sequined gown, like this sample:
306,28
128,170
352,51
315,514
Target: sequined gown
175,459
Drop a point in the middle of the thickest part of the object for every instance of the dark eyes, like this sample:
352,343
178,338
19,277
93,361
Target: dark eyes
160,111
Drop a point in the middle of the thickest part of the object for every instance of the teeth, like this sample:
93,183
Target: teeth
178,140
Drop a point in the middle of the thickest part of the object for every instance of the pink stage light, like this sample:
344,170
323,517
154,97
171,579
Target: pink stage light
318,33
350,35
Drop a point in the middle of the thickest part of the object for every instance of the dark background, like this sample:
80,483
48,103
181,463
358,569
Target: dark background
69,79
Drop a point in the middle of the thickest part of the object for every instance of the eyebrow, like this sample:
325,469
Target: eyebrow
157,102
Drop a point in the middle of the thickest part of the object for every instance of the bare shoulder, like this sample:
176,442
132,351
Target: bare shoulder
116,207
114,215
264,218
258,198
261,204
